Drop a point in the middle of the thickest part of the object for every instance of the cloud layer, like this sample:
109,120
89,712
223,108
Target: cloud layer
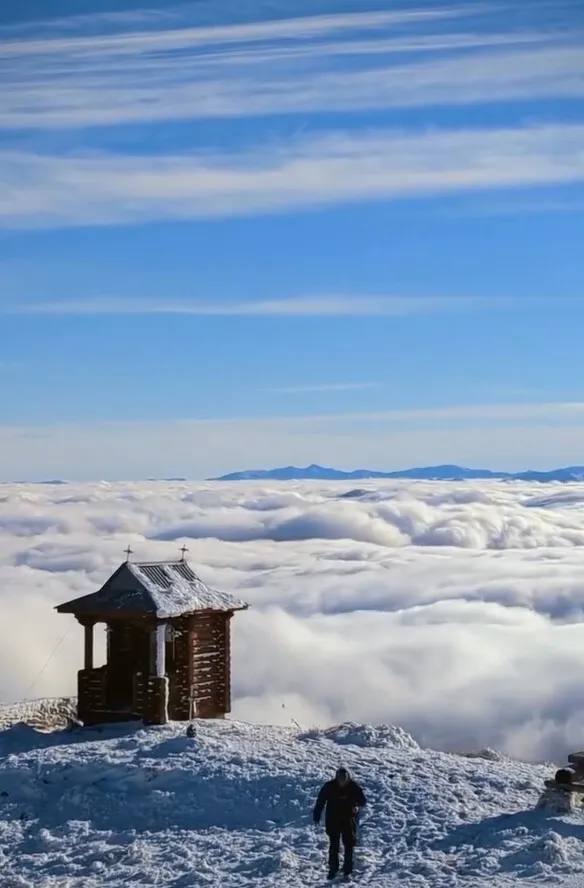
115,92
452,609
314,170
297,64
317,306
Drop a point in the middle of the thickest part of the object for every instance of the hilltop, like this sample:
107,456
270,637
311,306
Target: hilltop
129,806
420,473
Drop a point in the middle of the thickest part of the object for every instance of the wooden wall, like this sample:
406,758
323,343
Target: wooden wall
177,667
91,693
128,653
210,664
197,666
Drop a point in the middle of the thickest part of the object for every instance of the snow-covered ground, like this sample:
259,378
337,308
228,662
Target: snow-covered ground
127,807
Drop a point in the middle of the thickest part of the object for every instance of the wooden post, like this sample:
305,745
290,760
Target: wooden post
191,671
227,663
192,703
157,685
89,645
161,650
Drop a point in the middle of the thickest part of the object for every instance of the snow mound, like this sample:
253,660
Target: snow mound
49,714
365,736
126,806
489,755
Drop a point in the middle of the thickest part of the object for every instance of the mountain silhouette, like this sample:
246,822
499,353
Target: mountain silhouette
421,473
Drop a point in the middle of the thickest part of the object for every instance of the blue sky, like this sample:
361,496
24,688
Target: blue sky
247,234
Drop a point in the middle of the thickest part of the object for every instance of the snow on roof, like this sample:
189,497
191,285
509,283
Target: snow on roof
160,588
175,588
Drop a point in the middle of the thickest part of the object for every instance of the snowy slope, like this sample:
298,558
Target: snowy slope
128,806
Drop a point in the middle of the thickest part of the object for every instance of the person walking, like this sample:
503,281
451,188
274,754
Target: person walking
343,799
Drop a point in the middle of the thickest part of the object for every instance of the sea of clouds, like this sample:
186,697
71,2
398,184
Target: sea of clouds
452,609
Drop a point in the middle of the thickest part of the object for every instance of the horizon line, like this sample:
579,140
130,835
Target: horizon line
178,479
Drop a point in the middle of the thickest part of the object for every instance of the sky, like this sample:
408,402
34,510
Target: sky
451,610
242,235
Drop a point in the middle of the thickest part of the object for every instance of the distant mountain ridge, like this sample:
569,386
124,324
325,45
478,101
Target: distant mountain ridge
419,473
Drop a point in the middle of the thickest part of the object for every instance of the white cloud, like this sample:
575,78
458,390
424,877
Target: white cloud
324,387
129,42
264,81
343,61
37,190
452,609
308,305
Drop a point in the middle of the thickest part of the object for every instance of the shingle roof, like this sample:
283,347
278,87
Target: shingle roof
158,588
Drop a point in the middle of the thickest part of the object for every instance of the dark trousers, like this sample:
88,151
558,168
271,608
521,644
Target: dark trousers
347,835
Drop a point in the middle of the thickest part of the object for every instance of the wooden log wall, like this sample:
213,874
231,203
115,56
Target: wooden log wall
156,703
91,694
197,666
139,694
226,700
128,654
209,664
179,672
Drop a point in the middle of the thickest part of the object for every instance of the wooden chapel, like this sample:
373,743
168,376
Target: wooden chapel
168,646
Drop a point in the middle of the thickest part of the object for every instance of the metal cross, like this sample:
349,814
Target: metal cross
128,552
184,550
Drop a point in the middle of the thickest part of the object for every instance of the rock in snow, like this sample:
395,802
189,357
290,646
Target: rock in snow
128,807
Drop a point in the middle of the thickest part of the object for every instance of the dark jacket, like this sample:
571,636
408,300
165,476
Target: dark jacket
342,804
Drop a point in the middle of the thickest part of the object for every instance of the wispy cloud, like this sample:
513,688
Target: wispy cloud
292,79
309,305
41,190
318,388
285,27
483,414
488,413
143,68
